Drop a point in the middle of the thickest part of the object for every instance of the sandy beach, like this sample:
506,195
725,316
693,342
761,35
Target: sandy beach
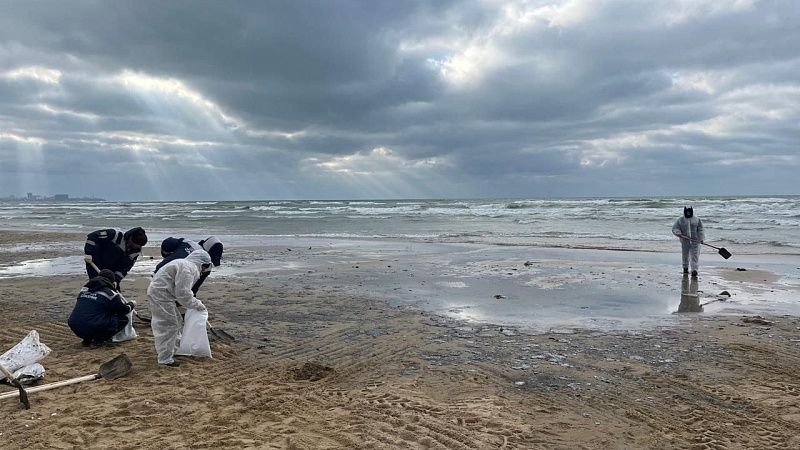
316,366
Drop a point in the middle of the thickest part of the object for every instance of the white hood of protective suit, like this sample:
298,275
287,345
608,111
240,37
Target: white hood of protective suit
208,243
174,281
199,257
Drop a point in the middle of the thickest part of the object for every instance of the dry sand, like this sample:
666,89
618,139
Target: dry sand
318,368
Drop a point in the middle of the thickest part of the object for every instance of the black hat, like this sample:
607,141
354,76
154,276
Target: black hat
104,279
137,235
107,275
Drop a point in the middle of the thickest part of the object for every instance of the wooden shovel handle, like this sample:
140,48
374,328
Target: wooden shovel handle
58,384
7,374
697,242
89,261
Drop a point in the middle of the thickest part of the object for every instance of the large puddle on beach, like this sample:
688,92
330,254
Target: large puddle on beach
531,287
69,265
527,287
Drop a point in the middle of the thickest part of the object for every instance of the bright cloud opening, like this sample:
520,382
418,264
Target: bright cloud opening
37,73
5,136
171,87
379,160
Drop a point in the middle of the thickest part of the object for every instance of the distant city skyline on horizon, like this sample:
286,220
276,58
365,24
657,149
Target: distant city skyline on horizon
54,197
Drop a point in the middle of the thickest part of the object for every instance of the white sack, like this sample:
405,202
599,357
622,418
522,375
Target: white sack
127,333
30,373
194,338
26,352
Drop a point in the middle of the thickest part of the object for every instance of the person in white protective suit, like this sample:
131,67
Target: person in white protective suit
173,283
689,230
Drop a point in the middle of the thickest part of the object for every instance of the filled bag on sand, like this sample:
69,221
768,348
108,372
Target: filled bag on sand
127,333
26,352
30,373
194,338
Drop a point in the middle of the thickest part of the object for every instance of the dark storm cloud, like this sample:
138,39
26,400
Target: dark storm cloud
403,99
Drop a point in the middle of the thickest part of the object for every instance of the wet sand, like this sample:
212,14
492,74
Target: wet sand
398,377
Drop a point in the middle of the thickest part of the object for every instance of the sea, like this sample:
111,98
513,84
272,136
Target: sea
534,264
751,224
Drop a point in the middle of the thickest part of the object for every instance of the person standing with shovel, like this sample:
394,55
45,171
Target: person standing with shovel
689,229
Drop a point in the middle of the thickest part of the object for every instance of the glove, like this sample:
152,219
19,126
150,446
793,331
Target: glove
132,303
201,307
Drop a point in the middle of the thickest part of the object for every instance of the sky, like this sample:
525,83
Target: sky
337,99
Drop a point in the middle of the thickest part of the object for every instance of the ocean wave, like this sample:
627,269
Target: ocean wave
763,242
369,217
264,208
299,213
57,225
363,202
214,211
397,210
293,217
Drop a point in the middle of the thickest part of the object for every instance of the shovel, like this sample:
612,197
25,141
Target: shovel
23,394
118,367
135,313
721,250
222,335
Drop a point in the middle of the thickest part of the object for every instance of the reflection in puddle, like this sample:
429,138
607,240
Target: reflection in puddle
690,300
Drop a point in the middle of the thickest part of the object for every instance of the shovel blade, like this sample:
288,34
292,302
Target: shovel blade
118,367
222,335
23,396
724,253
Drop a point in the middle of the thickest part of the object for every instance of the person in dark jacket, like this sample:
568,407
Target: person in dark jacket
114,250
179,248
99,311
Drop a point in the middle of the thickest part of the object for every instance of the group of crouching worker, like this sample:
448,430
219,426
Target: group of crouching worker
101,311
